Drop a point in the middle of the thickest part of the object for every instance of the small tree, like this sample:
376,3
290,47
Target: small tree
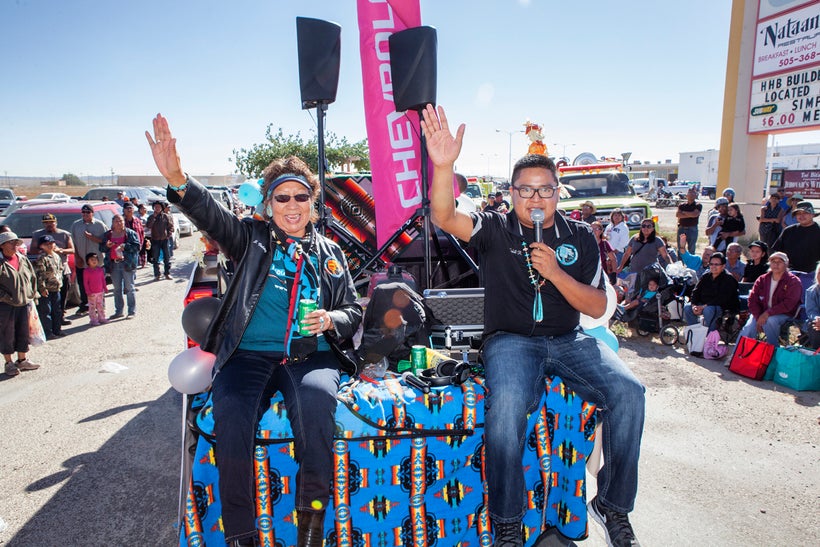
338,152
73,180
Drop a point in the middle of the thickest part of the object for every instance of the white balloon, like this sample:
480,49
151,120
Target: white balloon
588,322
190,371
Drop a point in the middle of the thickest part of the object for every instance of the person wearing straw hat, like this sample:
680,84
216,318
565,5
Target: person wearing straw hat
588,212
18,287
789,218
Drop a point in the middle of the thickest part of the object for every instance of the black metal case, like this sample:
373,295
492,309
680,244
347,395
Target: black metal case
458,317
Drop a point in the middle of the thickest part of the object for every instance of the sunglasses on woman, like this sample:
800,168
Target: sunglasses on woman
285,198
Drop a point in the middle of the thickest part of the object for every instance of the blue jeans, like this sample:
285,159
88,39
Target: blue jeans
51,313
516,367
771,329
123,283
691,237
164,246
241,393
711,314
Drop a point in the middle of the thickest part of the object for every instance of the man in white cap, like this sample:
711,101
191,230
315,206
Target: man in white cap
774,300
801,241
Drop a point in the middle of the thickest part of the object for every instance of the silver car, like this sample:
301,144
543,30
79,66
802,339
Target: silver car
186,227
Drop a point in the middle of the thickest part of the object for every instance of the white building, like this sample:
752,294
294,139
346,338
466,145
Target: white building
703,166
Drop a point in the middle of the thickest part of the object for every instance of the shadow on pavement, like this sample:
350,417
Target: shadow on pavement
125,493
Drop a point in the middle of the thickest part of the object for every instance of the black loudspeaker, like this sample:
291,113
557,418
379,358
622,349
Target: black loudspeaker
413,68
320,48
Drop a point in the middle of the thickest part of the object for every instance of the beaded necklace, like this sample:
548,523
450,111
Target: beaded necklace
536,281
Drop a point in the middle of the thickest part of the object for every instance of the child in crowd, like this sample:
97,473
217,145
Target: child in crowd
49,269
94,281
642,299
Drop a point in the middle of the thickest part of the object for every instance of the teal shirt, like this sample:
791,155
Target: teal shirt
266,330
693,262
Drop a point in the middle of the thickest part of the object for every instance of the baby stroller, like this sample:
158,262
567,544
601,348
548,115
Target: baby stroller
682,282
649,315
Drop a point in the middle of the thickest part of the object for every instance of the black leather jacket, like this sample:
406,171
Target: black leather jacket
249,242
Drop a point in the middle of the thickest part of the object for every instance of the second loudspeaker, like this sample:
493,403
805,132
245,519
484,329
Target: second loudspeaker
413,67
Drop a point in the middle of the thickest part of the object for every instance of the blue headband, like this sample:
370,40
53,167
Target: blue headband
285,178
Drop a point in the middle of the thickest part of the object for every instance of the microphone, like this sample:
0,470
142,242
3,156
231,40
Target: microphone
413,380
537,218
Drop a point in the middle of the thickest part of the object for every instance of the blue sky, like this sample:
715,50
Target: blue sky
81,79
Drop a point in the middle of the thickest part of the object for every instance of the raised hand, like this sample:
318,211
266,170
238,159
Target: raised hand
164,149
442,147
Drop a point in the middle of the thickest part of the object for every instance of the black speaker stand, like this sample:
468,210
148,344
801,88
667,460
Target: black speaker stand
423,213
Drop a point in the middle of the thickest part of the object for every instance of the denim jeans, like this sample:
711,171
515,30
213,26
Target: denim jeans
711,314
81,285
163,245
516,367
241,394
123,282
691,237
51,313
771,329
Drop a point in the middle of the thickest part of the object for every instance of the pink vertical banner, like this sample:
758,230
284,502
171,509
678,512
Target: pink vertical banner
393,137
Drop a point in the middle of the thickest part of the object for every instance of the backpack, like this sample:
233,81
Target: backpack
395,320
713,348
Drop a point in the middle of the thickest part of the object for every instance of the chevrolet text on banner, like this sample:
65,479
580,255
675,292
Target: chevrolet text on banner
393,137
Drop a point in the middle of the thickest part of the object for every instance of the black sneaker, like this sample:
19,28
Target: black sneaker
117,315
616,525
65,322
507,534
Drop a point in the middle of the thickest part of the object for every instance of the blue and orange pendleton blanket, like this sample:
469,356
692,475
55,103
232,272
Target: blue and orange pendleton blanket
409,469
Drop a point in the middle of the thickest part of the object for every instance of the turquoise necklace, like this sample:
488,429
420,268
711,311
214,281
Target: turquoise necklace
537,283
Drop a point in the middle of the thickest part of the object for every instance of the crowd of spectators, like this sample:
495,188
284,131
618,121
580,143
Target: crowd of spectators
726,274
38,278
767,280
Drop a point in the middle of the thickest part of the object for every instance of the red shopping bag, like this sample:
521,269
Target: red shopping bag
751,358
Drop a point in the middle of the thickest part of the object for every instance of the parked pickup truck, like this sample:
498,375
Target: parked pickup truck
607,187
7,197
709,190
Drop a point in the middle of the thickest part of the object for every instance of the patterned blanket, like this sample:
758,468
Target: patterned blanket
409,469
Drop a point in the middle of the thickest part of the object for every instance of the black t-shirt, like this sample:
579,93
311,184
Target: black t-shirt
508,292
689,208
802,246
753,271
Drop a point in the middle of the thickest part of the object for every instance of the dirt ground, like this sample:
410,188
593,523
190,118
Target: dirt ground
92,457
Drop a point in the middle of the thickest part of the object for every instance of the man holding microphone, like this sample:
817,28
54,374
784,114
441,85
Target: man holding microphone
535,292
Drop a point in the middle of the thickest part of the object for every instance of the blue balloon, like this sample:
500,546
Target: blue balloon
605,335
250,194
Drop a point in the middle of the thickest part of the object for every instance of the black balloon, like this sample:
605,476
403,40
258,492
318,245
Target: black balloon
197,317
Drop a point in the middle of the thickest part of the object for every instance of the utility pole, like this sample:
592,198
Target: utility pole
509,151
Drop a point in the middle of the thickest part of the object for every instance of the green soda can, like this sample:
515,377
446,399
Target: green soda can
418,359
306,306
